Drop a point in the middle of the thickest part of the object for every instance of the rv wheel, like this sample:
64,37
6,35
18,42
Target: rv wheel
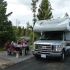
62,56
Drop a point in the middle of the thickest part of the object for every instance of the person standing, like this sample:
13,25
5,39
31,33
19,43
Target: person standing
12,46
7,46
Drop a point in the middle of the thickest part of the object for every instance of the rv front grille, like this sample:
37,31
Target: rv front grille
43,48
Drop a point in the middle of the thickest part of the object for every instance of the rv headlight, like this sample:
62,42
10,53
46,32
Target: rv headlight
58,48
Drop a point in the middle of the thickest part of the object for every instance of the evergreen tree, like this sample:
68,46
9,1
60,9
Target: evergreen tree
6,30
19,31
44,11
27,29
34,10
31,37
22,32
34,13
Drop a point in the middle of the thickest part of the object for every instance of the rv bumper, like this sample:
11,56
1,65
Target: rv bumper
50,54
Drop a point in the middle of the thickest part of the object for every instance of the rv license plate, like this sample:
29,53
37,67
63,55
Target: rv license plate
43,55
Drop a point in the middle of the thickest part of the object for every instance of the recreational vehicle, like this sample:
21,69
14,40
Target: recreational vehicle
55,38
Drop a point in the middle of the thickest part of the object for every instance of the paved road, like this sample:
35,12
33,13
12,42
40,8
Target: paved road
42,64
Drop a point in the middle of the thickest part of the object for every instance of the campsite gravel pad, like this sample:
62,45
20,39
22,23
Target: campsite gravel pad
4,63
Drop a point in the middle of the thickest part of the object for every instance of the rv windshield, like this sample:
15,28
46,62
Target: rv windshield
52,36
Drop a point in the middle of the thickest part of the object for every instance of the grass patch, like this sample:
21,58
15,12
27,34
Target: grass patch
2,49
31,46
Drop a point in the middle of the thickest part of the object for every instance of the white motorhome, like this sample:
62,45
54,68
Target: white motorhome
55,38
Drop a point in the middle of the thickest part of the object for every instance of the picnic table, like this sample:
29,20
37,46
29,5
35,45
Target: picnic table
19,49
21,46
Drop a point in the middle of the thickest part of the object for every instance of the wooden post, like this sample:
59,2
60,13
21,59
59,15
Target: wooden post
23,51
17,55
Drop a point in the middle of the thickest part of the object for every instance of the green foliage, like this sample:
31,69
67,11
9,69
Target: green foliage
27,29
34,10
44,11
37,35
31,46
34,15
15,30
6,30
31,37
25,32
19,31
22,32
2,49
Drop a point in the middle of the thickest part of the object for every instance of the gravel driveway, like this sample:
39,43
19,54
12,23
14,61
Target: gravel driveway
41,64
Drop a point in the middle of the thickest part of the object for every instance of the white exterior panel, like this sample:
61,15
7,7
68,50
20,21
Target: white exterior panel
59,24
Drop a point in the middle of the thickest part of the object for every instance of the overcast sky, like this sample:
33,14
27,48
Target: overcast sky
22,10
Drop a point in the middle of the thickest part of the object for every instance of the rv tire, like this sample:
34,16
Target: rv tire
62,56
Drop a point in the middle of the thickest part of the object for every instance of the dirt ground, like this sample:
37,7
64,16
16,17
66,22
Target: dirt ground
4,63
